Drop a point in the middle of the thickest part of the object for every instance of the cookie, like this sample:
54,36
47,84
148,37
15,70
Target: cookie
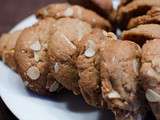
65,10
32,59
7,48
152,17
150,74
142,33
120,62
88,65
134,9
102,7
63,50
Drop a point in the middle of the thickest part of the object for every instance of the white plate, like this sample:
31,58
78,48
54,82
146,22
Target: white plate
28,106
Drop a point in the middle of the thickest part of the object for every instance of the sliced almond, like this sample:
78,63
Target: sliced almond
114,95
68,12
90,51
33,73
56,67
54,87
36,46
37,56
136,66
68,41
152,96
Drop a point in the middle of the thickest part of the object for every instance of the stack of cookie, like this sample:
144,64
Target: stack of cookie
142,25
73,48
140,19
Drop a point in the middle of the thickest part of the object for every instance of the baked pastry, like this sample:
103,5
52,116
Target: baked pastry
150,74
32,60
133,9
66,10
152,17
63,50
142,33
88,65
7,48
120,62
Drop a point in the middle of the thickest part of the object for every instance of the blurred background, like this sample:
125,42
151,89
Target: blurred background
13,11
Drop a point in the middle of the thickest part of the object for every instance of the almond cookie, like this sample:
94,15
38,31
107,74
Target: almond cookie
63,50
142,33
152,16
65,10
7,48
134,9
103,7
88,65
120,62
150,74
32,60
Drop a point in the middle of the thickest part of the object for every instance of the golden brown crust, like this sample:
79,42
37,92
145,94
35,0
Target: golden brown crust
31,56
88,65
7,48
119,75
63,50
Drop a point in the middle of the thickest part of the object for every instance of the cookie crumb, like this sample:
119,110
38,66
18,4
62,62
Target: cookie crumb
33,73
